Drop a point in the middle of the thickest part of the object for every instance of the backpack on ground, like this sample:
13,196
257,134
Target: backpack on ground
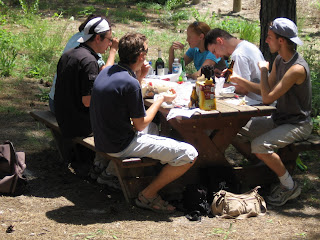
195,202
240,206
12,165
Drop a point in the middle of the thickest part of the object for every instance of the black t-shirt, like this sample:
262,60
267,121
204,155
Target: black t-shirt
116,97
77,69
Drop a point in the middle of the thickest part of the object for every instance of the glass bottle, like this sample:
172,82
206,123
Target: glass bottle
229,71
159,64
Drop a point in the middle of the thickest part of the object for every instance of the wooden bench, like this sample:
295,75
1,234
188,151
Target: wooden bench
130,171
259,173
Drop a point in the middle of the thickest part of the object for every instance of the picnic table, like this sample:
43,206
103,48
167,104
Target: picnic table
211,132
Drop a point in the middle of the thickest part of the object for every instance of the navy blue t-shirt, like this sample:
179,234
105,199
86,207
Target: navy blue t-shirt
116,97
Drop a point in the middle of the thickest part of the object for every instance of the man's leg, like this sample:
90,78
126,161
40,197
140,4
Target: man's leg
177,157
167,175
264,147
273,161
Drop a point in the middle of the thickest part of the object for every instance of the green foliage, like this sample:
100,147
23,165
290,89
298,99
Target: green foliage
87,11
29,7
150,5
127,15
9,109
8,53
42,46
246,30
317,4
43,96
173,4
311,55
316,125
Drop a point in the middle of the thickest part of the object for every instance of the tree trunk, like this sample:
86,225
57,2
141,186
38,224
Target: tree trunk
271,9
236,5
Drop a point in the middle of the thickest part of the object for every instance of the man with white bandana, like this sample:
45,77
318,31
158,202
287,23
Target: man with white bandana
77,69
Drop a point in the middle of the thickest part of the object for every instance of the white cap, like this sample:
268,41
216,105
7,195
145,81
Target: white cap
286,28
96,25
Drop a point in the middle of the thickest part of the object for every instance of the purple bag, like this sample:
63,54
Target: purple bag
12,165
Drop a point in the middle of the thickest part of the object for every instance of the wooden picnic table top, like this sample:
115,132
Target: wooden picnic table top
224,109
211,132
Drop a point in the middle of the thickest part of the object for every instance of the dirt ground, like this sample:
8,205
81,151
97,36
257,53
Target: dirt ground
57,204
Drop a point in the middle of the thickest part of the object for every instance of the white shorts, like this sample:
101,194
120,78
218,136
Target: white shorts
166,150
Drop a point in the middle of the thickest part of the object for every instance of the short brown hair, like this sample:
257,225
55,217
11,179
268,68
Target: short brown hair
130,47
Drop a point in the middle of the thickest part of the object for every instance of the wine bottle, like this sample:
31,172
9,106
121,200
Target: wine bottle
229,71
159,64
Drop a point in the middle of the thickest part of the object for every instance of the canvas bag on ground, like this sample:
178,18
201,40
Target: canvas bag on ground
12,165
240,206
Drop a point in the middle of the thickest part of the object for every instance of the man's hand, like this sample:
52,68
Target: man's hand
263,65
143,71
235,78
115,44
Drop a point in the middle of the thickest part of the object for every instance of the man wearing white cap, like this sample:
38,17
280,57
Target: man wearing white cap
76,72
289,84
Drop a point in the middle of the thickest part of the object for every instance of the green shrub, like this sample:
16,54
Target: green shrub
42,46
8,53
29,7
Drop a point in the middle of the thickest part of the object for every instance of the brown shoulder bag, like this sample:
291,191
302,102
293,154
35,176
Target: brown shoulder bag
12,165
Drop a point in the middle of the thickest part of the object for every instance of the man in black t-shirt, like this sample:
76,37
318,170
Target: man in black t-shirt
76,72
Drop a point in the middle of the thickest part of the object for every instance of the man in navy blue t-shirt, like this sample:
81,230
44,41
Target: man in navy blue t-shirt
118,116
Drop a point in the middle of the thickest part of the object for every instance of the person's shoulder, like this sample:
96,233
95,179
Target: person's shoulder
210,55
73,41
191,51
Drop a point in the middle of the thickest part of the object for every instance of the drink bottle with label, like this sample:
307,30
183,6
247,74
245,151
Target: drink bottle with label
159,64
229,71
176,66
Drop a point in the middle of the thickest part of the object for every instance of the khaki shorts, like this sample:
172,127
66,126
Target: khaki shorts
266,136
166,150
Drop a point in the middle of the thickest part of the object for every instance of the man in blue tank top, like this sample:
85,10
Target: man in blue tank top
289,84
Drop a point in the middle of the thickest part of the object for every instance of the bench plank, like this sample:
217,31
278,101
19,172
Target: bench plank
47,118
130,183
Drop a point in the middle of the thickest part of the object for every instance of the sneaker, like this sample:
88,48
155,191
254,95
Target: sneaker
280,195
110,180
96,170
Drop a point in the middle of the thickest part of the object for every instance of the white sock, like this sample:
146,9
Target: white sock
286,180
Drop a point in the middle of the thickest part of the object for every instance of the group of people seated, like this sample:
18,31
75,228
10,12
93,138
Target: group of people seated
104,99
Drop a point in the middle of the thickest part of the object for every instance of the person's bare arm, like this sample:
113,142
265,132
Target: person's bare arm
197,74
174,46
86,100
113,52
295,75
243,85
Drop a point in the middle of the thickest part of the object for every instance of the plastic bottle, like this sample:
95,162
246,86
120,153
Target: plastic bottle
159,64
150,69
176,66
